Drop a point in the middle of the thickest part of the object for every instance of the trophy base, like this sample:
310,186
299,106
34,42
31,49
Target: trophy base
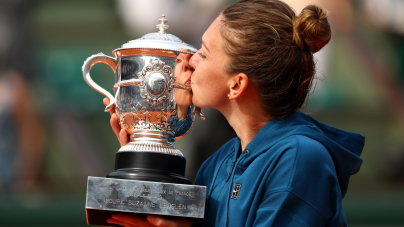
156,186
107,196
150,166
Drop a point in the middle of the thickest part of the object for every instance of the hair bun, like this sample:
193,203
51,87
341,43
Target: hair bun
311,28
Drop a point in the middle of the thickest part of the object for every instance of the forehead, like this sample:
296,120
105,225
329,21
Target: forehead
212,36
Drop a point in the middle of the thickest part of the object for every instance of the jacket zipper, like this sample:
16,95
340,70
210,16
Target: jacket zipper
231,175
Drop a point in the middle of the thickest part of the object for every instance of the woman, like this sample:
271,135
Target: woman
285,168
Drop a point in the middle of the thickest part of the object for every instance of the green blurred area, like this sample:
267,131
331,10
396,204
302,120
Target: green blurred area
67,32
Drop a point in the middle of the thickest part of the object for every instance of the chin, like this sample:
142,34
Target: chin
194,101
199,104
199,101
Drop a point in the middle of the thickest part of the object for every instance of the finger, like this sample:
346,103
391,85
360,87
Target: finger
123,137
169,222
114,221
132,220
115,125
106,102
198,110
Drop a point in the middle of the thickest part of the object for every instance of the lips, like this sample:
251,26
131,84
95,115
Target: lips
188,84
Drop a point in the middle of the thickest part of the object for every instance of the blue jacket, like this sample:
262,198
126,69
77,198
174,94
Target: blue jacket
294,172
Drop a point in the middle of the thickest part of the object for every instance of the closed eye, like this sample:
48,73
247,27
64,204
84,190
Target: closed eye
201,55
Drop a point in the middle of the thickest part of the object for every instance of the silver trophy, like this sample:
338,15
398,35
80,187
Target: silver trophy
149,101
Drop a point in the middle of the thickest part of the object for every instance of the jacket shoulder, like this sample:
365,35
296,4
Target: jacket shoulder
209,166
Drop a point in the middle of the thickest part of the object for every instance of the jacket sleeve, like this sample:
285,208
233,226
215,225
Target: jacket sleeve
286,209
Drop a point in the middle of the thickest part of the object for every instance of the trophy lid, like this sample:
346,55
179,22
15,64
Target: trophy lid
160,41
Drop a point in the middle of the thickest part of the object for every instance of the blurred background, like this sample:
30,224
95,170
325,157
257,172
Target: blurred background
54,133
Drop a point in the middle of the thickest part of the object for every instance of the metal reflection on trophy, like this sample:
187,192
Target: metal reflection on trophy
146,92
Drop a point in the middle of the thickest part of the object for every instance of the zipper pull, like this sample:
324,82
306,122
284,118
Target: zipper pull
245,153
231,172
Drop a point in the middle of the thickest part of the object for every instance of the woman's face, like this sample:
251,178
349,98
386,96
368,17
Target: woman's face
183,76
209,81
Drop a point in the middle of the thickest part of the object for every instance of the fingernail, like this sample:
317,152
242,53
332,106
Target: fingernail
152,219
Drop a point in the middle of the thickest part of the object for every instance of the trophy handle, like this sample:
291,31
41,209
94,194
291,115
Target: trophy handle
181,86
88,64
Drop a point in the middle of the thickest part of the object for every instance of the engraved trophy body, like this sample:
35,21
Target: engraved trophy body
149,171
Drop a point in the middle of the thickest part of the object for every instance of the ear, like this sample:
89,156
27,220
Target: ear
238,85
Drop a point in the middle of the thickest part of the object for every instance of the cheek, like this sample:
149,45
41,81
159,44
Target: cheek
202,82
209,93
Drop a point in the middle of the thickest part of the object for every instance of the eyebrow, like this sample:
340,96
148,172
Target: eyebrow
203,44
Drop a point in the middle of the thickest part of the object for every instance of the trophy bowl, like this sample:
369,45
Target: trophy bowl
149,101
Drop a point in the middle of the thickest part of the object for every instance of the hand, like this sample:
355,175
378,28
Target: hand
149,221
121,134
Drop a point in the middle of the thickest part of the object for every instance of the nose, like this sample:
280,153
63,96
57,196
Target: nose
193,62
186,64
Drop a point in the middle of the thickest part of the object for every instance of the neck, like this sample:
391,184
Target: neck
246,120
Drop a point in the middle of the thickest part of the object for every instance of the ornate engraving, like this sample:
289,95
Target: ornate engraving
157,82
147,110
123,123
140,119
